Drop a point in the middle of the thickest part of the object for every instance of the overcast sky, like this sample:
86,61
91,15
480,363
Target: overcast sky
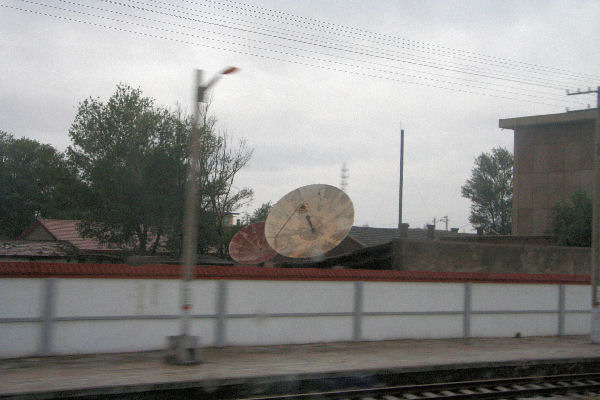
322,83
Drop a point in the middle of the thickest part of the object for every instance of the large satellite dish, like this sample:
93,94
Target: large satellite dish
309,221
249,246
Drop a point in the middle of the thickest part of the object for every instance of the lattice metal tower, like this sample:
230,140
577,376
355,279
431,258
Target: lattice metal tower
344,178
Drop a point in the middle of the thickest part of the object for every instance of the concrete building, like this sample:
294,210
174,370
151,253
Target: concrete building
553,159
370,248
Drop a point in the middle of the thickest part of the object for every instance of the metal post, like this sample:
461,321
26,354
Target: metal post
221,314
561,310
358,306
48,296
401,178
467,310
595,323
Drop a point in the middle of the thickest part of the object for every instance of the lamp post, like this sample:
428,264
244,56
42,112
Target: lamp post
182,348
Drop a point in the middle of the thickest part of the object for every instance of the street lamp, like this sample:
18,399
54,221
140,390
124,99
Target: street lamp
182,349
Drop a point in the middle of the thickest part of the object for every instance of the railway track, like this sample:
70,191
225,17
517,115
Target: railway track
583,386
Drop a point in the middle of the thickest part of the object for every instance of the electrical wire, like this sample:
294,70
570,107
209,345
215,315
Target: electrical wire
343,29
563,84
447,88
437,83
323,54
379,52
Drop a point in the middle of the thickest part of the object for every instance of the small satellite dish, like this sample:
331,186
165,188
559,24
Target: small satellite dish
309,221
249,246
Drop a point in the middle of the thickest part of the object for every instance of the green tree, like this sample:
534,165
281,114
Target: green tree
133,157
218,194
261,213
490,190
571,221
33,180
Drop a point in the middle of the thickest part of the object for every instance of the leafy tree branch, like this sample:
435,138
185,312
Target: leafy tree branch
490,190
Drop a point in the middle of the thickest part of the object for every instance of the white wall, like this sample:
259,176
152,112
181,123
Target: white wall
287,330
383,299
20,299
19,339
412,296
501,296
412,326
261,299
114,297
114,315
250,297
505,298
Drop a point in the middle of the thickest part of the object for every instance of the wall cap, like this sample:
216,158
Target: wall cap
213,272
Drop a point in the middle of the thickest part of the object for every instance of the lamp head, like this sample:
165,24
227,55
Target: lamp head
229,70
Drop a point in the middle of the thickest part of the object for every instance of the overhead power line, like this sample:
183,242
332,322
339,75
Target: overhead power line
342,46
469,82
304,52
338,28
335,41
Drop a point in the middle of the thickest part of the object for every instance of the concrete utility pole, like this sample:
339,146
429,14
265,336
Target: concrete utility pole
595,323
401,178
182,348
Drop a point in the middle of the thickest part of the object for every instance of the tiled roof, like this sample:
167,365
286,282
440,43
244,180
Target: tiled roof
375,236
26,248
66,230
120,271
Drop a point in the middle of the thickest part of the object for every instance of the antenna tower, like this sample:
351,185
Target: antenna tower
344,176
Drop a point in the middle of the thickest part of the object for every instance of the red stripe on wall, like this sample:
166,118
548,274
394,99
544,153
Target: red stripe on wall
122,271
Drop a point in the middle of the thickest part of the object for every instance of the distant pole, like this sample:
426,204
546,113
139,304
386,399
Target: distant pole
595,322
401,178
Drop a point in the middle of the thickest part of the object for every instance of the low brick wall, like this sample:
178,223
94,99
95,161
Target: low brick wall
437,255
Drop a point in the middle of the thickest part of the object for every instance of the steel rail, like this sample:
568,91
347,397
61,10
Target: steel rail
501,388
